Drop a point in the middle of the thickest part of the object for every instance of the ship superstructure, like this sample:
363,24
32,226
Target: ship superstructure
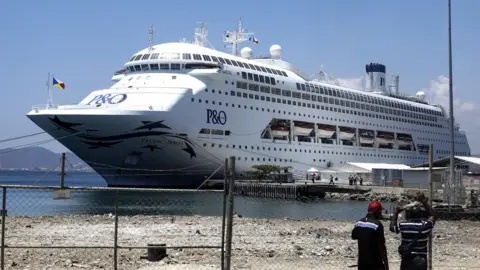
177,110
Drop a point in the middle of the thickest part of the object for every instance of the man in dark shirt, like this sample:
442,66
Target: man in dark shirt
415,230
372,253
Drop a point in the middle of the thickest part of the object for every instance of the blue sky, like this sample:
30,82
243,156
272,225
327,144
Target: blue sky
83,42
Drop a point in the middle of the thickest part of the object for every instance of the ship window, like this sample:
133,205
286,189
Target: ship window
239,94
164,66
284,73
257,67
303,87
240,64
337,102
228,61
131,59
137,68
175,56
145,67
250,76
261,78
298,86
138,57
296,95
244,75
217,132
256,97
268,70
145,56
250,96
314,98
334,93
205,131
251,66
175,66
197,56
265,89
272,80
234,63
267,79
274,71
306,96
307,86
131,68
286,93
206,57
185,56
263,69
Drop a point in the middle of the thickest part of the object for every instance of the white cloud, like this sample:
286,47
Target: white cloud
355,83
438,93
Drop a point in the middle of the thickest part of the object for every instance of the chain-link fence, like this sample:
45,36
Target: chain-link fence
110,228
246,226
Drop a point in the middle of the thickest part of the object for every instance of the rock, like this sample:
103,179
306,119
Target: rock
328,248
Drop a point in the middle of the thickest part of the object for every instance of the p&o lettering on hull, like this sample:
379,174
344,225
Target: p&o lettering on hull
216,117
108,98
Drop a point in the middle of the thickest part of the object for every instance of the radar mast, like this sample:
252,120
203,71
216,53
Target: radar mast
200,34
150,37
233,38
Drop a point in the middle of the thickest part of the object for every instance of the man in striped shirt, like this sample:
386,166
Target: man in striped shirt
415,230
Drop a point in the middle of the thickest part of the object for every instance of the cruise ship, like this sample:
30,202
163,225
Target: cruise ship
177,110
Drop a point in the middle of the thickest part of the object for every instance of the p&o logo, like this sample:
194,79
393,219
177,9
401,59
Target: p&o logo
108,98
216,117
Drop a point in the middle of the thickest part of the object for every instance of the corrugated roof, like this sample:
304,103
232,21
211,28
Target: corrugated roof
474,160
384,166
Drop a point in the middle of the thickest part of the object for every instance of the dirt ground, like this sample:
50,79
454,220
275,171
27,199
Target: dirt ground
257,243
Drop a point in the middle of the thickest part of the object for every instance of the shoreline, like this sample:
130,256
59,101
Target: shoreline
257,243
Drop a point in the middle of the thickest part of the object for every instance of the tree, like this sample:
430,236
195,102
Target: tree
261,171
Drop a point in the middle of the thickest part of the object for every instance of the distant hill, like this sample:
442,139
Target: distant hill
37,157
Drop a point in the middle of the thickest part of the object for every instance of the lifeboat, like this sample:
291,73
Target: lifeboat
366,137
326,131
279,131
385,137
404,140
346,133
303,129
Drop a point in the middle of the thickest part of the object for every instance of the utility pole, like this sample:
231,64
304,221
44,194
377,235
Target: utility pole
450,87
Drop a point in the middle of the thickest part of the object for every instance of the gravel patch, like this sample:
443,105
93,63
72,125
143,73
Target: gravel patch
257,243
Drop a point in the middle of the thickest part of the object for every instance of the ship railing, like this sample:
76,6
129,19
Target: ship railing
45,107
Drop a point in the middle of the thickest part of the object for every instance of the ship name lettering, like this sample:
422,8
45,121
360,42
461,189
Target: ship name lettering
216,117
108,98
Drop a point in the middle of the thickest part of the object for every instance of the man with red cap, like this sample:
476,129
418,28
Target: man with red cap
368,231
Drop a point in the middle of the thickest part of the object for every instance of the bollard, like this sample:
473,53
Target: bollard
156,253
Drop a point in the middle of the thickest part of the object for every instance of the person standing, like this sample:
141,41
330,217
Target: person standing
369,233
414,231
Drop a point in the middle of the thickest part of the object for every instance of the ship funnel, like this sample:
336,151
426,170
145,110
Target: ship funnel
375,79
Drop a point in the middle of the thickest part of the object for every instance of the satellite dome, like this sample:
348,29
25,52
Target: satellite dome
421,95
246,52
276,51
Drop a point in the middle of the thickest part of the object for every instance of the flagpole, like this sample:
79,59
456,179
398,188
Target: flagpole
50,99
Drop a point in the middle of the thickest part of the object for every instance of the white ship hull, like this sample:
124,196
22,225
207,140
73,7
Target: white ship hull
322,133
346,136
175,128
301,131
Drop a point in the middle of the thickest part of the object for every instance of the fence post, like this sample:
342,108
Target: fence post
62,172
4,215
115,240
231,186
430,181
225,192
